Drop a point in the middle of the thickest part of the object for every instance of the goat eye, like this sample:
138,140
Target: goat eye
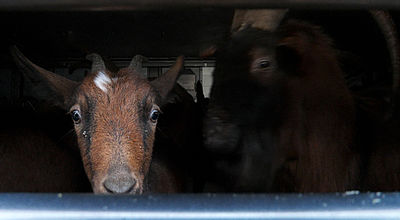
264,64
154,115
76,116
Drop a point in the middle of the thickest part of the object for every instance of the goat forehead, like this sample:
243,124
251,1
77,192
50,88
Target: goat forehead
121,93
105,83
130,91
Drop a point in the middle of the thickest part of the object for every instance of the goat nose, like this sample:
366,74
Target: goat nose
119,183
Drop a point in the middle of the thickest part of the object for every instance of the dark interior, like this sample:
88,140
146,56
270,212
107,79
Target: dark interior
62,39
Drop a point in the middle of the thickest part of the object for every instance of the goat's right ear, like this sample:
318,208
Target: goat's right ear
60,86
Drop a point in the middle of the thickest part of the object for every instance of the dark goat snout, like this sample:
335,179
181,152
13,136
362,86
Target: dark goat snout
221,135
120,183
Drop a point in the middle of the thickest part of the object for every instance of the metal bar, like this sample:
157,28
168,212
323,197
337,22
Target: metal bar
151,62
201,206
111,5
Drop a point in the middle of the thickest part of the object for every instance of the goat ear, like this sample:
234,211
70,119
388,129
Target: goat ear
208,52
60,86
166,82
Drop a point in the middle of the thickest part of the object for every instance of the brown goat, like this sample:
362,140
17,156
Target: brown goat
115,116
37,156
280,116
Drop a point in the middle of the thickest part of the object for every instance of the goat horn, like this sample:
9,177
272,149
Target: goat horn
388,28
136,65
98,63
265,19
137,61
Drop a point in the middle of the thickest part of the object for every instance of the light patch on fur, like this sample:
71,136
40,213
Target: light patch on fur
114,79
102,81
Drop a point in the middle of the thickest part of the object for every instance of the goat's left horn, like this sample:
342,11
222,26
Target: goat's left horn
137,61
98,63
137,65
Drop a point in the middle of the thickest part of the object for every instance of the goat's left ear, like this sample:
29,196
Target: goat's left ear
166,82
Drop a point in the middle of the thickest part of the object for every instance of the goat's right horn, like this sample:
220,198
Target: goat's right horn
265,19
98,63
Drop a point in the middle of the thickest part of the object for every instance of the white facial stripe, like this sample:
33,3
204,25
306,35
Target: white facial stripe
102,81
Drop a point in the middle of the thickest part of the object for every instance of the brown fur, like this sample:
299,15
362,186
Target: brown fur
36,156
31,162
320,115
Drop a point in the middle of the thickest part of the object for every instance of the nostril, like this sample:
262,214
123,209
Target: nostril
119,184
